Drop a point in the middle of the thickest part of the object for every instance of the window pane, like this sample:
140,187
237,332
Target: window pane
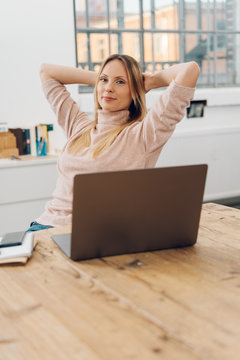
131,14
114,44
191,15
124,14
204,16
199,15
97,10
147,23
99,47
166,15
148,47
80,5
82,48
236,12
225,15
224,64
130,44
199,48
114,14
166,47
80,13
228,59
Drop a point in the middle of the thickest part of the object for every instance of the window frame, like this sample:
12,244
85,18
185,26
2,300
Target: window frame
181,32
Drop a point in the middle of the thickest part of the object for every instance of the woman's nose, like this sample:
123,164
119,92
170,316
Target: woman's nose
108,86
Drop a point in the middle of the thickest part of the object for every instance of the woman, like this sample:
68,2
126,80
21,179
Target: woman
123,134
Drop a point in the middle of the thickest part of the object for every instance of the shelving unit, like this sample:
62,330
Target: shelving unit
25,186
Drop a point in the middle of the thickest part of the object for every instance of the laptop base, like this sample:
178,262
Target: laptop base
64,242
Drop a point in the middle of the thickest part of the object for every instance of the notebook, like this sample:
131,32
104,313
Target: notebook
134,211
20,252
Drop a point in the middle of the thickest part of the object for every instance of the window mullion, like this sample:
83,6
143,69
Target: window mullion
208,42
120,19
141,37
214,44
88,37
75,32
109,29
181,28
153,26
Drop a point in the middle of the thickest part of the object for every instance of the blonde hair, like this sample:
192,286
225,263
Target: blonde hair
137,108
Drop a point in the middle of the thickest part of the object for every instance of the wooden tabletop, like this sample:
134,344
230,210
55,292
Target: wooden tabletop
170,304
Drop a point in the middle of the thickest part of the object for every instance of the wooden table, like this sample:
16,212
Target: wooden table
171,304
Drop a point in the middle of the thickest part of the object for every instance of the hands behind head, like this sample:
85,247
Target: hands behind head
147,81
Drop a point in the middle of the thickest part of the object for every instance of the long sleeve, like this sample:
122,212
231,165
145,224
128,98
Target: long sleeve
69,116
166,112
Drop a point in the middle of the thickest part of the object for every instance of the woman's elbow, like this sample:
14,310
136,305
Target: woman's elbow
188,74
194,71
42,69
44,73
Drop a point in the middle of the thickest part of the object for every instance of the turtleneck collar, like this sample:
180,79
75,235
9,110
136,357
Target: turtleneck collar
112,117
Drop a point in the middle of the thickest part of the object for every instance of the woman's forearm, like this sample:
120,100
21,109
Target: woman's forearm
67,74
185,74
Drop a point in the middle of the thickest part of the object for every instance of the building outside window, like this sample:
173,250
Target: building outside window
160,33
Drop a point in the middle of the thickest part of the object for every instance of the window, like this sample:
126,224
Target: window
160,33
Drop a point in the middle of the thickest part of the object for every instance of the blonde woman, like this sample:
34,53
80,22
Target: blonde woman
123,135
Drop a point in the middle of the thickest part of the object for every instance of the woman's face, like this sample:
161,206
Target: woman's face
113,90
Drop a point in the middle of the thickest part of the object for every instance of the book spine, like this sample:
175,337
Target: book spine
27,141
33,141
19,137
49,137
41,140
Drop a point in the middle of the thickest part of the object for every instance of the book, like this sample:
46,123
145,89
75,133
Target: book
19,138
23,140
34,141
8,145
41,140
19,253
49,138
17,260
43,146
26,141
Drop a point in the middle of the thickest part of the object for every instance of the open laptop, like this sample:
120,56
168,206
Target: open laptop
134,211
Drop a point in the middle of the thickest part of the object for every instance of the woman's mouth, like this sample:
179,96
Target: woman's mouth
107,98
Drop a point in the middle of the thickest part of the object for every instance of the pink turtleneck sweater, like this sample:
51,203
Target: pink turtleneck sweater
137,146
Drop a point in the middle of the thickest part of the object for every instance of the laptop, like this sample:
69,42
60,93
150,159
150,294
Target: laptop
132,211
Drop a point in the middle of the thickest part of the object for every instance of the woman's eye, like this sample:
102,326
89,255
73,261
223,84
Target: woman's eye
121,82
103,79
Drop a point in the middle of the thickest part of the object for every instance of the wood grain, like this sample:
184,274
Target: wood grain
171,304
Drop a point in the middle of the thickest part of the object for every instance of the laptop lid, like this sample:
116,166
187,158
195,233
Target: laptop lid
135,210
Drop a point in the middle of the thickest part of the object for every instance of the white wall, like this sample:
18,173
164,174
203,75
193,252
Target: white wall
32,32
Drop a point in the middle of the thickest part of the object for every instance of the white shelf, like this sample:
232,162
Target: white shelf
26,185
27,161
